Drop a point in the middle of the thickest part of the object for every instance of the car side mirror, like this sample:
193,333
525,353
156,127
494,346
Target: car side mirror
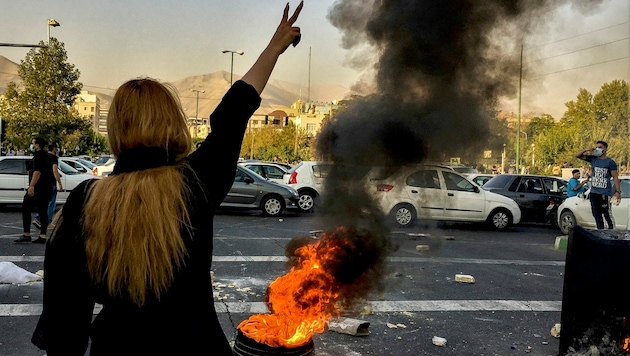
248,180
476,188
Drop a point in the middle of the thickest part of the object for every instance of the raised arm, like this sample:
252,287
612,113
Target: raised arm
286,33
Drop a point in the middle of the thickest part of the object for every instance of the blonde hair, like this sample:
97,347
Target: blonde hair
133,221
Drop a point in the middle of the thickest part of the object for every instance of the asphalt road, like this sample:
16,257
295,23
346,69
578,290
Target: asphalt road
510,309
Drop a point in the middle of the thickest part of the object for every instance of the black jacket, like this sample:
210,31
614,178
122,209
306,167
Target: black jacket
184,321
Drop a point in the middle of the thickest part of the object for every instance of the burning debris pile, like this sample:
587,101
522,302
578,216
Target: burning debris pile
327,276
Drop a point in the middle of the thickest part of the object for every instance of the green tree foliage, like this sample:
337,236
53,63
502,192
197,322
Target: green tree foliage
44,106
603,116
286,144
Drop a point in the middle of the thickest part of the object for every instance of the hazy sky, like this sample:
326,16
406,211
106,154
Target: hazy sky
113,41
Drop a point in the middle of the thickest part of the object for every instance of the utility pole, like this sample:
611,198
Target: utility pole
308,94
518,128
197,112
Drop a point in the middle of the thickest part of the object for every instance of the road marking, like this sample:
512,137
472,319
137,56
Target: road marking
12,310
390,259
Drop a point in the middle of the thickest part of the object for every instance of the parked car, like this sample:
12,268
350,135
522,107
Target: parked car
81,165
14,179
537,196
251,191
460,168
577,210
105,165
479,178
434,192
308,179
85,158
271,171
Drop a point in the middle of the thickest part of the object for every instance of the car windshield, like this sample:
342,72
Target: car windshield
86,163
102,160
498,181
66,169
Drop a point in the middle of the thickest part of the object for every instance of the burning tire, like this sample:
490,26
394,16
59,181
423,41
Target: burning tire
567,221
500,219
272,206
244,346
404,215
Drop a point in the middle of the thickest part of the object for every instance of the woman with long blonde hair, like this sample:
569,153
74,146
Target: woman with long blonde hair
139,242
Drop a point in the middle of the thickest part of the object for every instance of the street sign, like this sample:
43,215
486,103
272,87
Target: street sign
455,160
487,154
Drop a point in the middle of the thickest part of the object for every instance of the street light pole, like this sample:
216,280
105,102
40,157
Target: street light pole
197,112
53,23
232,64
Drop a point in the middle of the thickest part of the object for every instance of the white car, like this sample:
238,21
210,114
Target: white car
577,210
479,178
80,164
308,179
434,192
14,178
105,165
272,171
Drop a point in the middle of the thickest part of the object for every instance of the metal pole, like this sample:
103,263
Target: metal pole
518,129
197,114
232,69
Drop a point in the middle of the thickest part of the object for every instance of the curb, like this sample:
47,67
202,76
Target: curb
561,243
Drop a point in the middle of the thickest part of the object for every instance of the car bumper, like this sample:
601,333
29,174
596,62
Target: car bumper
291,203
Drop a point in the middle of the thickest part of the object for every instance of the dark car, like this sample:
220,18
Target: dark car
537,196
251,191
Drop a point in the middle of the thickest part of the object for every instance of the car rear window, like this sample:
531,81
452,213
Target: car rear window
498,181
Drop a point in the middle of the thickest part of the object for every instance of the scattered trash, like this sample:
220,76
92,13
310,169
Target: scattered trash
349,326
438,341
392,326
536,335
280,220
528,349
555,331
512,347
422,247
40,273
464,278
402,326
11,273
545,343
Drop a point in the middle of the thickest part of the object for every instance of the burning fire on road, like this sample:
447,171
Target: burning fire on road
327,276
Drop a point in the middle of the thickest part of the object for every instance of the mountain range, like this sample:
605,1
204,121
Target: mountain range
276,96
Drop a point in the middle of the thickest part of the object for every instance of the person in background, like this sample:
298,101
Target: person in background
603,169
53,155
139,242
38,192
575,187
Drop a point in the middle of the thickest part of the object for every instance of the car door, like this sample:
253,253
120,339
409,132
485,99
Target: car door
320,172
621,212
274,174
423,187
463,202
243,191
531,198
13,180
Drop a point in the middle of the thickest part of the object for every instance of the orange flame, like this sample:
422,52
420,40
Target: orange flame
301,301
625,345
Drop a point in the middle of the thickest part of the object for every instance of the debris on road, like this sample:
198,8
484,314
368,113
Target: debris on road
349,326
464,278
422,247
438,341
555,331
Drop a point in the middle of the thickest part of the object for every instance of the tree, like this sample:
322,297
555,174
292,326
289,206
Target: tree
287,144
44,107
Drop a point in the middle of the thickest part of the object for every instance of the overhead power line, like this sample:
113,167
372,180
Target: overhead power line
571,37
574,68
578,50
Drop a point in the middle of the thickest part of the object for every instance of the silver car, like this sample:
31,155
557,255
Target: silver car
251,191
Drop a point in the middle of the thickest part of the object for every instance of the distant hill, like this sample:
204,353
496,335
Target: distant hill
277,94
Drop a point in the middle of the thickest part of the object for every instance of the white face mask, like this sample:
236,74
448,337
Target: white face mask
598,152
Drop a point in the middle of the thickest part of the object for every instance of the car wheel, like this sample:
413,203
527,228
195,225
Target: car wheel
404,215
272,206
500,219
567,221
307,201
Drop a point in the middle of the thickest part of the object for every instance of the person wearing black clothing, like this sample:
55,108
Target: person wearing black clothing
52,204
139,242
38,193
